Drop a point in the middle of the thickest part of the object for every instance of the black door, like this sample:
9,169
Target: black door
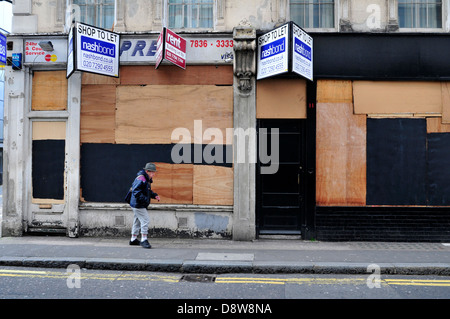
280,192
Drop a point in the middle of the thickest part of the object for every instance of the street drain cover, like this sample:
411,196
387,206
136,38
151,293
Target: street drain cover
198,278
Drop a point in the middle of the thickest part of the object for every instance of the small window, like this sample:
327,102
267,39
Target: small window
420,14
99,13
312,13
191,14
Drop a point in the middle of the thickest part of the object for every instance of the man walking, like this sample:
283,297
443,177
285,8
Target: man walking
140,199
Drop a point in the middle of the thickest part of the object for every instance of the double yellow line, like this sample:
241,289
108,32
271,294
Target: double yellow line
418,282
283,281
83,275
226,280
331,281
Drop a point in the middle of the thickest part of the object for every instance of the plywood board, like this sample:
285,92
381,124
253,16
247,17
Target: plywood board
372,97
49,91
173,75
434,125
213,185
91,78
445,89
341,155
98,107
281,99
46,130
150,114
334,91
173,183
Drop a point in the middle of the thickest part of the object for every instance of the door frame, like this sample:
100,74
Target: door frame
296,230
307,214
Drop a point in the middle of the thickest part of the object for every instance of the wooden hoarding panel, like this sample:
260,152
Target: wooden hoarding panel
281,99
213,185
150,114
371,97
341,156
49,91
98,107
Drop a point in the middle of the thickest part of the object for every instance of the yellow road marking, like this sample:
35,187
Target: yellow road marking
21,271
224,280
331,281
283,281
93,276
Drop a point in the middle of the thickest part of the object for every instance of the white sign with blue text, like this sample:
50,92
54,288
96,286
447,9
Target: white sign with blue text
96,50
2,49
287,48
302,53
273,52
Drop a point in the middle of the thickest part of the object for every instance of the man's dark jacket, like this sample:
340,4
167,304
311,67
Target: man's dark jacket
142,190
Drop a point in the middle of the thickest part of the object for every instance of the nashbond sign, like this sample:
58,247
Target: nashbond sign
302,52
273,52
285,49
94,50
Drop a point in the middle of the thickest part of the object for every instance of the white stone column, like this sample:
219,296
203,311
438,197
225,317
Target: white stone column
17,87
244,144
72,165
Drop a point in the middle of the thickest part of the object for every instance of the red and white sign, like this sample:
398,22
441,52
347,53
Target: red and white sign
33,53
172,48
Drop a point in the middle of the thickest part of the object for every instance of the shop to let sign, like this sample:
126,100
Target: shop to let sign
273,49
302,53
285,49
93,50
171,47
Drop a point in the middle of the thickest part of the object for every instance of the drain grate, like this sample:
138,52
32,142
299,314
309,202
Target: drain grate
198,278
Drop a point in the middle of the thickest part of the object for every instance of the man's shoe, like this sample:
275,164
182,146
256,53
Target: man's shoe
135,242
146,244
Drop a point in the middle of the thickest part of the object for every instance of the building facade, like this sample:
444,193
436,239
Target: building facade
358,153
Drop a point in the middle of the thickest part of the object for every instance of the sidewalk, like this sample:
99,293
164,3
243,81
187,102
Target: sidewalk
227,256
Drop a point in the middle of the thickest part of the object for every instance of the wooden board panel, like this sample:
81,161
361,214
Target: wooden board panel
149,114
98,107
281,99
372,97
173,183
341,155
445,87
434,125
213,185
49,91
173,75
334,91
46,130
91,78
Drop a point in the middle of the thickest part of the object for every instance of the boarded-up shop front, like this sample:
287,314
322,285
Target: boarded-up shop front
145,116
382,139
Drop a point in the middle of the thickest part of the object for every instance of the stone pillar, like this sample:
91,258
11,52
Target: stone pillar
244,144
72,165
14,147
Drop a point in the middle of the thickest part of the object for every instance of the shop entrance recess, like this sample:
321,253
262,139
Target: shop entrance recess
280,194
